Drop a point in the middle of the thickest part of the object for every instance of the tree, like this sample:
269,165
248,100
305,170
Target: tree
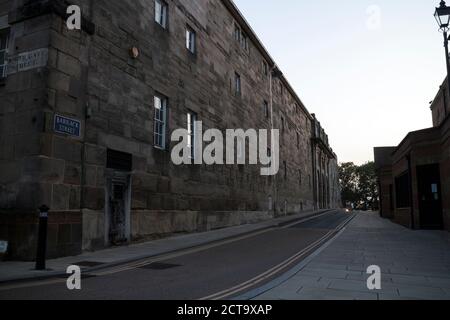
348,179
367,186
359,184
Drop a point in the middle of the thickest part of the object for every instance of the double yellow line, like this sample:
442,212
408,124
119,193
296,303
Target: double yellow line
200,248
275,270
221,295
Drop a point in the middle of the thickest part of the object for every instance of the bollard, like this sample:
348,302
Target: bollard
42,238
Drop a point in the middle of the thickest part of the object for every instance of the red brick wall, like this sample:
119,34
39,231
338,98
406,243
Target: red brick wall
445,173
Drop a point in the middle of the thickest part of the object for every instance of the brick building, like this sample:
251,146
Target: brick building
414,177
86,118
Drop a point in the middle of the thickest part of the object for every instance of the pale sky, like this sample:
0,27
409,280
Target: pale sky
369,83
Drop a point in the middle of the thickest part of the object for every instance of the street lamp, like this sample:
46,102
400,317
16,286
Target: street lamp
442,16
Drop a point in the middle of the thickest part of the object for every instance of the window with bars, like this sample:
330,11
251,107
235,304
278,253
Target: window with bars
161,13
160,122
4,38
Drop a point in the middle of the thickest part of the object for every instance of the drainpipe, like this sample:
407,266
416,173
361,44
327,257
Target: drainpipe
314,174
87,115
408,157
274,183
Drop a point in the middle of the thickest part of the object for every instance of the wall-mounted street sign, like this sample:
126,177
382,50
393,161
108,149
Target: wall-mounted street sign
67,126
27,61
33,59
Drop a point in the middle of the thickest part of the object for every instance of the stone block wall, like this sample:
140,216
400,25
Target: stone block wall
91,77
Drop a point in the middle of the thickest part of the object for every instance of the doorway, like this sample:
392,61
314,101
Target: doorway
117,211
118,198
429,196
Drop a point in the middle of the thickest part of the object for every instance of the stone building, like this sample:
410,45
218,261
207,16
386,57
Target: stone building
86,118
414,177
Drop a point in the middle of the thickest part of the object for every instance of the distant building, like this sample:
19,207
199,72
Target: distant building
86,118
414,177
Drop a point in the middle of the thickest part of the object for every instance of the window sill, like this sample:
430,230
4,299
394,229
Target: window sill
161,27
160,148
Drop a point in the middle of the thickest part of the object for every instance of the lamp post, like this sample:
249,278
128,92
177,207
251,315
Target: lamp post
42,238
442,15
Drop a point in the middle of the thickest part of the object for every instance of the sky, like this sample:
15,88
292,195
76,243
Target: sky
367,69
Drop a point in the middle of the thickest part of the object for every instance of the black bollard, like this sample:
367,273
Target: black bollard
42,238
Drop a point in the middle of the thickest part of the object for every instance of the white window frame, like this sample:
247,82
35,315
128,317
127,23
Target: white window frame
191,39
191,119
4,63
160,121
161,13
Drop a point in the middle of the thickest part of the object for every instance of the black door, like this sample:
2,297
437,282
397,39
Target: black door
430,203
117,214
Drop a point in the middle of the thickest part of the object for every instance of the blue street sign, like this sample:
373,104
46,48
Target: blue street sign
67,126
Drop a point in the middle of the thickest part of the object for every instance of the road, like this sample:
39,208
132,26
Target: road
219,270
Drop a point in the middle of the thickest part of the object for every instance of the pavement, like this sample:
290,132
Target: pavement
415,265
93,261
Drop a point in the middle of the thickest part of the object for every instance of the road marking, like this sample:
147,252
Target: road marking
31,284
139,264
169,256
135,265
273,271
308,219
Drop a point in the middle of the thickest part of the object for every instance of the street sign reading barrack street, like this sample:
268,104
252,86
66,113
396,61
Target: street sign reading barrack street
67,126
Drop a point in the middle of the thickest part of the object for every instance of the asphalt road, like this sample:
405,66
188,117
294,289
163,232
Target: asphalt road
196,274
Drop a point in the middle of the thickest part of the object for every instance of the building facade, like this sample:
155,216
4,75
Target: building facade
86,118
414,177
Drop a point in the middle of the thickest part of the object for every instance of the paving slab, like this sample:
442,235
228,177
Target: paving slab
415,265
